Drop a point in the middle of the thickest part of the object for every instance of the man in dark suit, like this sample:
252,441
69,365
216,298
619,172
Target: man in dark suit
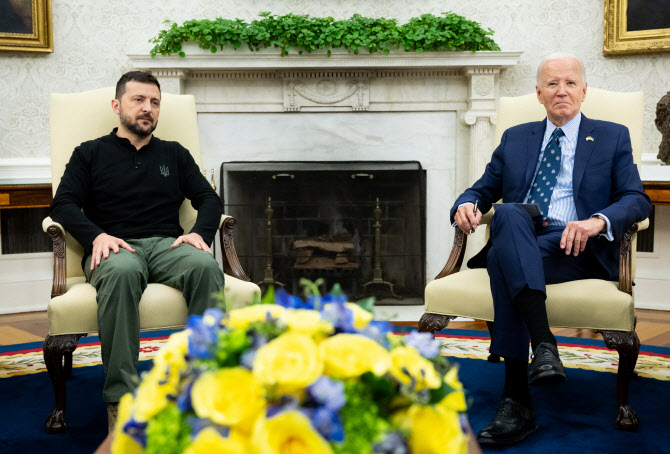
580,173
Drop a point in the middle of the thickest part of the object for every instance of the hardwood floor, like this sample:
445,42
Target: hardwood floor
653,328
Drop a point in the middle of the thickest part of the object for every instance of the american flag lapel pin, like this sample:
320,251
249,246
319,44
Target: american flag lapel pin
590,138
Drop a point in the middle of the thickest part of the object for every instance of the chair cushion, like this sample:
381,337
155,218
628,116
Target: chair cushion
161,307
588,303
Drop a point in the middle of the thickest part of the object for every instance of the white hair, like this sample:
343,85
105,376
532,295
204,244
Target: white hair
559,56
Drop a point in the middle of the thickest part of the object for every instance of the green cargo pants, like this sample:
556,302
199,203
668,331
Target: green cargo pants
120,281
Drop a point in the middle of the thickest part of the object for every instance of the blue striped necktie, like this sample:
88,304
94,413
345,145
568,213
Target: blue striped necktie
545,179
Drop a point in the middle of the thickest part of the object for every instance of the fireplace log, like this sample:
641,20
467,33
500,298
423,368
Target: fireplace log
330,246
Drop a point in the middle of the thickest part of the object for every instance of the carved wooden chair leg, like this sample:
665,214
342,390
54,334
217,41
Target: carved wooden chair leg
493,358
67,364
430,323
55,348
628,346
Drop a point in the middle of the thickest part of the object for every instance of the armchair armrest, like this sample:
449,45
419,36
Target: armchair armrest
231,264
626,256
455,260
57,234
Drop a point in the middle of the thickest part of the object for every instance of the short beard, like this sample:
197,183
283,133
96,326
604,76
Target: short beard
135,128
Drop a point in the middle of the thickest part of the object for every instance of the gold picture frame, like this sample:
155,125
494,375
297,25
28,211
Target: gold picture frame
27,26
618,39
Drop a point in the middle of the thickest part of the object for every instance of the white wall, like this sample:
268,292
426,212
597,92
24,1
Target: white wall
91,40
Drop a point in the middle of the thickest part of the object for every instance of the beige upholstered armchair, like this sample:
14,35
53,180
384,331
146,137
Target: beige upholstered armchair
75,118
607,307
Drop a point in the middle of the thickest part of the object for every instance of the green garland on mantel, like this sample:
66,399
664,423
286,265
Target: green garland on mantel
447,32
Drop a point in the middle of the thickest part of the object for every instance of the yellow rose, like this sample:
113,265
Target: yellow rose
288,433
306,321
151,396
407,360
123,443
240,318
209,441
435,431
455,400
350,355
230,396
291,361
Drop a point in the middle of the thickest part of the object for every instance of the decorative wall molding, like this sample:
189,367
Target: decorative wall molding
25,171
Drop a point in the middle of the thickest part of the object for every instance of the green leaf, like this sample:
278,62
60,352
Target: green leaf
368,304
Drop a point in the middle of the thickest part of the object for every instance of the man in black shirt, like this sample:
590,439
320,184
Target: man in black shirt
130,186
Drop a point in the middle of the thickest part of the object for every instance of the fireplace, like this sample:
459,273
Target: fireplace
433,108
360,224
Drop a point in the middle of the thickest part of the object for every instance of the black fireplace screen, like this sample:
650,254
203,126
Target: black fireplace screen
361,224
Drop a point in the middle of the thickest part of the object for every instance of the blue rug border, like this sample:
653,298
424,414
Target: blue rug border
396,328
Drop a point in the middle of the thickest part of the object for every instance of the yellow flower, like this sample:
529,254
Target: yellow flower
240,318
407,360
151,395
291,361
124,444
209,441
288,433
350,355
306,321
434,431
455,400
230,396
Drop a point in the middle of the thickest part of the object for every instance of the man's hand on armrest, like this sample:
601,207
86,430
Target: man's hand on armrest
466,219
101,246
193,239
576,234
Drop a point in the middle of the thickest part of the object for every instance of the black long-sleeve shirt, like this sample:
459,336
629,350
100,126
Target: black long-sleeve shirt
130,193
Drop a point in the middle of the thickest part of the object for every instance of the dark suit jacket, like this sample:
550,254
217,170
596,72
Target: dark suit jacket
605,179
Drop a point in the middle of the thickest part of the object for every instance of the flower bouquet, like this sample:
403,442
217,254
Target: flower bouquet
291,376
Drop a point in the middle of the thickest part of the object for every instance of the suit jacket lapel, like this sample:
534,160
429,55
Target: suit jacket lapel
582,153
533,145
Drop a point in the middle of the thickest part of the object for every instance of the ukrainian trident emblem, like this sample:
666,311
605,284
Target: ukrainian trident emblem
165,171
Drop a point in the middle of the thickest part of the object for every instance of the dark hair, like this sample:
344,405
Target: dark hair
137,76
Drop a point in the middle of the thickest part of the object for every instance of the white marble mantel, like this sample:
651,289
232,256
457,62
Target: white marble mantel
438,108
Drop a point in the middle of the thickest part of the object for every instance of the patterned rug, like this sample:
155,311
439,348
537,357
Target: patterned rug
653,362
577,416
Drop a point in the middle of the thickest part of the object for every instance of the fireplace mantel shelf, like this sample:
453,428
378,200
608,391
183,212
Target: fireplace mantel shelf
270,59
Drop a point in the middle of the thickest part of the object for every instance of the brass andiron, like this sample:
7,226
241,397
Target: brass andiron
377,272
268,278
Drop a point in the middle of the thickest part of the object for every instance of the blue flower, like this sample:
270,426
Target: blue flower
427,346
184,399
378,330
288,301
326,422
339,315
137,431
327,393
204,334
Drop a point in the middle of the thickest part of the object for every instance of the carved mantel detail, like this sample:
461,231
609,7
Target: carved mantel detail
326,94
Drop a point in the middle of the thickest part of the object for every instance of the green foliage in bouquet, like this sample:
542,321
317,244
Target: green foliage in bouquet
447,32
284,375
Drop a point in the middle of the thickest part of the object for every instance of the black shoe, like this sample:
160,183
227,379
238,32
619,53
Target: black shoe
512,423
546,367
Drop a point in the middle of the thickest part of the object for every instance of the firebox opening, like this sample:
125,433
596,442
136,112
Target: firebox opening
360,224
